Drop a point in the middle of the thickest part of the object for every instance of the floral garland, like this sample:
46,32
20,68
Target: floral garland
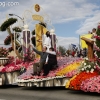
91,85
10,49
75,84
97,66
69,68
97,48
71,73
30,56
95,55
68,83
61,63
12,67
87,66
7,41
97,37
7,23
3,52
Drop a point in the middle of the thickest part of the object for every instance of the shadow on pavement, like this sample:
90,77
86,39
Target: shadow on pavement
79,92
32,88
9,86
51,89
83,93
44,88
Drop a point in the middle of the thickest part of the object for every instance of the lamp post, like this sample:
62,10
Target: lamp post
17,16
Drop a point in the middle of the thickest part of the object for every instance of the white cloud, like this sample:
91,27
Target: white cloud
65,41
59,12
89,23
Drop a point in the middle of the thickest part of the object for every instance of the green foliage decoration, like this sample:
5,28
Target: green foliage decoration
7,23
17,29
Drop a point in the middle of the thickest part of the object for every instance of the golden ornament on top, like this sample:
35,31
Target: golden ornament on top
37,8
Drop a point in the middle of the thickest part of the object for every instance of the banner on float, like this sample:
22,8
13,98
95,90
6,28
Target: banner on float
40,30
82,42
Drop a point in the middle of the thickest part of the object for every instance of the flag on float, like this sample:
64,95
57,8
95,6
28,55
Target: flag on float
73,46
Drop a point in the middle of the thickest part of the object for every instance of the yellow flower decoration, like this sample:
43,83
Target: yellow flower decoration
68,68
68,83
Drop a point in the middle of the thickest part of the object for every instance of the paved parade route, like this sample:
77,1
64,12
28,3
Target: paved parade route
57,93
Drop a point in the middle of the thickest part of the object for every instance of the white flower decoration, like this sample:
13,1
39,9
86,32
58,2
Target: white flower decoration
87,71
84,64
94,67
89,66
86,58
85,67
92,70
82,69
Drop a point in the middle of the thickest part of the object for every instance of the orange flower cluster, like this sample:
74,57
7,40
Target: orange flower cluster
76,82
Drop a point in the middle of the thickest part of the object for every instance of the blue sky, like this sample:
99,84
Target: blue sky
70,18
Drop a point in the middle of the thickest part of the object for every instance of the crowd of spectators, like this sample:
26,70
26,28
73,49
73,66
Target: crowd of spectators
76,53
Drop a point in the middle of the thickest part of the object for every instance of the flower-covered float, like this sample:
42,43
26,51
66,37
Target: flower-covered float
10,66
58,77
11,71
88,77
20,66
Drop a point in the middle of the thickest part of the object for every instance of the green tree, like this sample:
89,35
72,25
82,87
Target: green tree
62,50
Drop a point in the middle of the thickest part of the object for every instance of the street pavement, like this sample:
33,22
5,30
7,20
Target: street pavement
50,93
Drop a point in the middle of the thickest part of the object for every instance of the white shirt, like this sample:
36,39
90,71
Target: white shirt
47,42
94,34
93,37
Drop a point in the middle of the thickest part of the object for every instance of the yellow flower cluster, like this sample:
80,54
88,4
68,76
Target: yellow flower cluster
68,68
68,83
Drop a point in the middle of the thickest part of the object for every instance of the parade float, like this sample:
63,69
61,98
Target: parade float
87,78
73,72
19,67
67,67
57,77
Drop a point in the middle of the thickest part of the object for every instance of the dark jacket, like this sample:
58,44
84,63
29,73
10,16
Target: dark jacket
52,59
43,55
52,64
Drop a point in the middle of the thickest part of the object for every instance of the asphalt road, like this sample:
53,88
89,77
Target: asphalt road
33,93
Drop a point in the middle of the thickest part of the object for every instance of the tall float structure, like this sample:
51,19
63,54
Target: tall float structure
26,42
53,38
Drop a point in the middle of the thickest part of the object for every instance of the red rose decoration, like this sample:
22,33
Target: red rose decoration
75,84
